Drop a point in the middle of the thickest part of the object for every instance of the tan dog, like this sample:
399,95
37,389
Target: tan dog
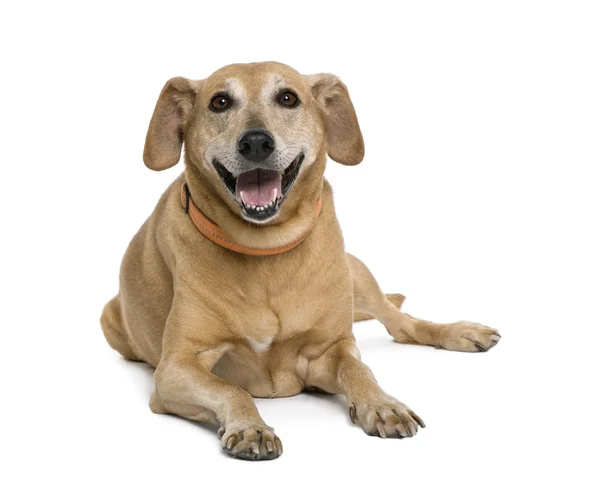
222,326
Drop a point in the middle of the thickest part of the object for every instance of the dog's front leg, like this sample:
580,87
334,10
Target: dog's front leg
185,385
340,370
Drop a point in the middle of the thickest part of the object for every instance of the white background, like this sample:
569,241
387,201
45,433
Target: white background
478,199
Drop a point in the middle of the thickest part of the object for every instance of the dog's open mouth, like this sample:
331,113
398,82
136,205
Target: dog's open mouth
260,192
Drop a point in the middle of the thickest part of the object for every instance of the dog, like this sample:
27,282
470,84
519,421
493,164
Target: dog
238,285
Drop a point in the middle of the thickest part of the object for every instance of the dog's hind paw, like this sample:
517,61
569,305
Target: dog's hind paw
466,336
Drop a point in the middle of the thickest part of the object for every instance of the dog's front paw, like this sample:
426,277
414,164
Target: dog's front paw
466,336
253,442
385,418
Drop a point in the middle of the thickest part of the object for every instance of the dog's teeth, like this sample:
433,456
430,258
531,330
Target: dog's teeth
273,194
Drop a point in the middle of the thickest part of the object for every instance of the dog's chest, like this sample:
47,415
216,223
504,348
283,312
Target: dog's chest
277,302
280,312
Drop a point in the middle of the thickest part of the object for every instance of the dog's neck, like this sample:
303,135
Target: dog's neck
298,213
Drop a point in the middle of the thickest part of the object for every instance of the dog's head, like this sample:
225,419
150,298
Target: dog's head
255,130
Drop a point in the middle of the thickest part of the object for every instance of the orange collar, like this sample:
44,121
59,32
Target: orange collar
216,235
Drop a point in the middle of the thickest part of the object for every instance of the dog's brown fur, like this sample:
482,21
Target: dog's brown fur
221,327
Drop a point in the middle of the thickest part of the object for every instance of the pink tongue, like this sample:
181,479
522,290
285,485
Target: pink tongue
256,187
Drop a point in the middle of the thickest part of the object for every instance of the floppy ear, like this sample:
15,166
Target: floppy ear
165,133
344,139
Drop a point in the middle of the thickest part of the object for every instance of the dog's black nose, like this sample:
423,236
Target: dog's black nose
256,144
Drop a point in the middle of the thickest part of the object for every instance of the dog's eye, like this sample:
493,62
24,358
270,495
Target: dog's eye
288,99
219,103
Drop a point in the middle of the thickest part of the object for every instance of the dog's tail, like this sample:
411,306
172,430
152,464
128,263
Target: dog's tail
397,299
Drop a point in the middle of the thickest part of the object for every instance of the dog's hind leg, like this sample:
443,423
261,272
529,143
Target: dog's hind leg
371,302
114,331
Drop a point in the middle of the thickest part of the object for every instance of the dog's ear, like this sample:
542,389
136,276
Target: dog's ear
165,133
344,138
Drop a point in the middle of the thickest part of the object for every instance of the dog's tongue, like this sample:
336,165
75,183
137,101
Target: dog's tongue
258,187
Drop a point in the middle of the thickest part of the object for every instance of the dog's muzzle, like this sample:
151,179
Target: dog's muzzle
260,191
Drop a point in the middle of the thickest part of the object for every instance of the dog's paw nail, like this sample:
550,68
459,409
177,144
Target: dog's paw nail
417,418
479,347
401,431
352,410
231,442
413,429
